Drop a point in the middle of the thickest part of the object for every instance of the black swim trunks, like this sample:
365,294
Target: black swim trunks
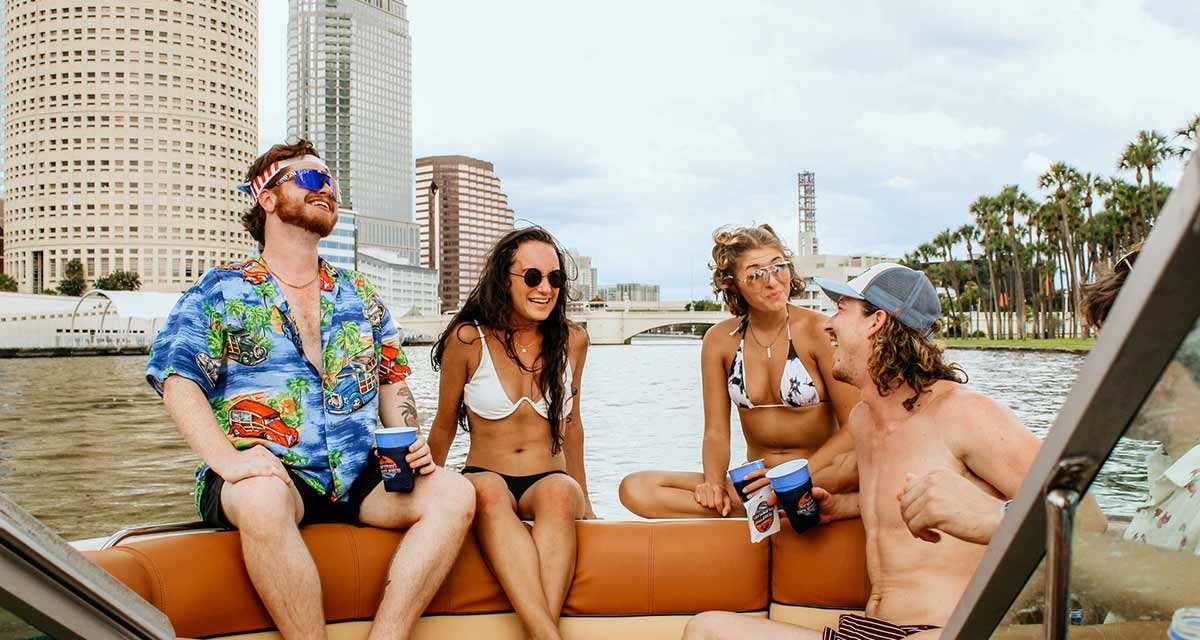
852,627
517,485
317,507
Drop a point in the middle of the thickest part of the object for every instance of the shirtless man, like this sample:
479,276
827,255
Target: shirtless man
916,418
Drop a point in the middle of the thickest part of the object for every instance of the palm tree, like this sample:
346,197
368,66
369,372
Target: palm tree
1059,176
1188,133
946,241
1012,200
986,219
969,234
1154,150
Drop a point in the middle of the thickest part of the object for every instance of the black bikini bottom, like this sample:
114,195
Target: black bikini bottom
517,485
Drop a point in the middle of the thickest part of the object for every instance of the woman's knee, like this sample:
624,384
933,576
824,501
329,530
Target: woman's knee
559,495
635,489
260,501
491,493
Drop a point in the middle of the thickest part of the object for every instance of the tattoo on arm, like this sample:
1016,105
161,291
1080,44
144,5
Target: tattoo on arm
407,405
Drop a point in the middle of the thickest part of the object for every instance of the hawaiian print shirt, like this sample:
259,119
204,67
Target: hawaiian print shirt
233,335
1171,517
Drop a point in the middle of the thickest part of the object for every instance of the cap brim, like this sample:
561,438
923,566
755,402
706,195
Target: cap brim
837,290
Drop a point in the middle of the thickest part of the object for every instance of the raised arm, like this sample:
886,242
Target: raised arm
455,361
573,433
712,493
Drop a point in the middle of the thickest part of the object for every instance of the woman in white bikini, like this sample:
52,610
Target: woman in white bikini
512,339
779,378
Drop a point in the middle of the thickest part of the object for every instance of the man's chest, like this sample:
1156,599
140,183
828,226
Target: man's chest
304,308
888,454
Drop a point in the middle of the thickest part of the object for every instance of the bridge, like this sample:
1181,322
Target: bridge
605,326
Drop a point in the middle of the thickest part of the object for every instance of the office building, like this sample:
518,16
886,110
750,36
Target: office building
338,246
832,267
392,235
404,286
628,292
581,274
350,93
128,127
461,212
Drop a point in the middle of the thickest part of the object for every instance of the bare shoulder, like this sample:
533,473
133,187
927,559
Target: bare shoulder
578,338
808,320
955,403
859,419
462,336
722,333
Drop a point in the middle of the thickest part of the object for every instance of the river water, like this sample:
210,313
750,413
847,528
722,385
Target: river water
87,446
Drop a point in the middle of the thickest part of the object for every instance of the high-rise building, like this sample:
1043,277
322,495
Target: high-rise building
405,287
403,238
338,247
461,212
581,274
350,93
129,125
806,208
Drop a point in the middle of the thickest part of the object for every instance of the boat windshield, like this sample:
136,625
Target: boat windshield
1134,560
1127,440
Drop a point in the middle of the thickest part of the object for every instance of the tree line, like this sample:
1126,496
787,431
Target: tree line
74,283
1027,257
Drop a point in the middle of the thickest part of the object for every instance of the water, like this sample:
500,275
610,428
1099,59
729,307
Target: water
87,446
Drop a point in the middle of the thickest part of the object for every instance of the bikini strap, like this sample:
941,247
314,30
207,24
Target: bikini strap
741,325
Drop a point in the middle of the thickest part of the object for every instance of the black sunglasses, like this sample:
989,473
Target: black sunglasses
533,277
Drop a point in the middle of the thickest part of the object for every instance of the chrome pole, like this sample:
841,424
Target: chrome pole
1063,493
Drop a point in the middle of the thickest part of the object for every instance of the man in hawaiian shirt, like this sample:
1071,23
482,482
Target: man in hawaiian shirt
276,370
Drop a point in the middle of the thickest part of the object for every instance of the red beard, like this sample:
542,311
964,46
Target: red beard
294,211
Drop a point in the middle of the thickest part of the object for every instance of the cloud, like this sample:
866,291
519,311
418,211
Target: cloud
928,129
1035,163
899,182
633,129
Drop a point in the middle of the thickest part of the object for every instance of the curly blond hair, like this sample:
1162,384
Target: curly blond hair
729,244
902,355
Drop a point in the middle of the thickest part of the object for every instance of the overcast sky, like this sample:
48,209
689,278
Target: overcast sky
631,129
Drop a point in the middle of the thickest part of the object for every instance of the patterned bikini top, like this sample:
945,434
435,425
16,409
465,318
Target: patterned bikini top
796,386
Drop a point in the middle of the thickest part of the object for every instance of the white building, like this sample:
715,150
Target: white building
839,268
628,292
338,246
406,288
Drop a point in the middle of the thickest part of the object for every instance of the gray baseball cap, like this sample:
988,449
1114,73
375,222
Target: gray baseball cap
906,294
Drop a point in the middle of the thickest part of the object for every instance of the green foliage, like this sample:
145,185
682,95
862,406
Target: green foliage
702,305
73,283
7,283
119,281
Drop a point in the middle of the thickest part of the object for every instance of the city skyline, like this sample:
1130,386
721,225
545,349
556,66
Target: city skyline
905,114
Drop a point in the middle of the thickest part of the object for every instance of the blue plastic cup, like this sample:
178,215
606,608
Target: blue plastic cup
793,486
737,476
392,444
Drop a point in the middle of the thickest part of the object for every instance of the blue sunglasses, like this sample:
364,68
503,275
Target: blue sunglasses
309,179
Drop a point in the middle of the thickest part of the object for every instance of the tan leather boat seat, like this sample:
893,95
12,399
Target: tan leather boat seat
624,570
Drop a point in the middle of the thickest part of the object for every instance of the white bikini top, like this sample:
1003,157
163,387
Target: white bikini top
485,396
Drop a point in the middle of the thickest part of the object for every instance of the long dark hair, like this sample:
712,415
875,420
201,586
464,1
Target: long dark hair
490,305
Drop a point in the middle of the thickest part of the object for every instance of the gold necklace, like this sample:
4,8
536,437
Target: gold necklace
294,286
773,340
523,347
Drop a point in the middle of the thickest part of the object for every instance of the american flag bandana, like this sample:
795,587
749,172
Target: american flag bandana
255,187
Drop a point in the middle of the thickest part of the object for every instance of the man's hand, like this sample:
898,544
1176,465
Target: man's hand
247,463
759,477
833,506
419,458
714,496
946,501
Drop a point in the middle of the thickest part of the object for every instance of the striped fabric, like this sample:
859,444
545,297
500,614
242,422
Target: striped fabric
852,627
256,186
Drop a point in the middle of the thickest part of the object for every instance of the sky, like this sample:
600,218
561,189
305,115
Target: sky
632,129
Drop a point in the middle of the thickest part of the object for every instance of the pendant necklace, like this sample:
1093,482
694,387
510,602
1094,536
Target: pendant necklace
773,340
523,347
294,286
